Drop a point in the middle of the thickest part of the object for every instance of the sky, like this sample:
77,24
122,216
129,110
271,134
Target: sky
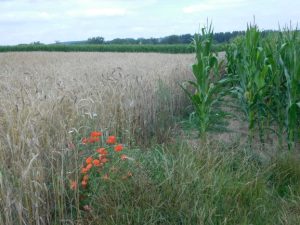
47,21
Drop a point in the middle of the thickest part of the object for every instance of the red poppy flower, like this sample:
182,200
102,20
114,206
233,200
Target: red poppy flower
118,148
89,160
102,151
84,170
96,134
111,140
89,166
96,162
94,139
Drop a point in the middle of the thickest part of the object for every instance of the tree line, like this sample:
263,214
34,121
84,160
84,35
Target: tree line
221,37
218,38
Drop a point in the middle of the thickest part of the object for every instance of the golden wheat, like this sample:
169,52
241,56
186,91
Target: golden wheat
46,95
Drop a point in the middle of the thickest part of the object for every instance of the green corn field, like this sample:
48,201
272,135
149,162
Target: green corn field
263,76
161,48
267,71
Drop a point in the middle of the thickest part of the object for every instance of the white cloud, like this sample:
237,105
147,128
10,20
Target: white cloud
26,16
212,5
95,12
138,29
24,21
37,10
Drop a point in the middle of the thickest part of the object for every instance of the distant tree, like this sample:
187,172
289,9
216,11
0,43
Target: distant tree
221,37
36,43
153,41
186,38
120,41
130,41
95,40
115,41
147,41
172,39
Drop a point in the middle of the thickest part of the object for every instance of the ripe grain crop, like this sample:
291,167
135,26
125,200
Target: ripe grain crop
44,96
123,90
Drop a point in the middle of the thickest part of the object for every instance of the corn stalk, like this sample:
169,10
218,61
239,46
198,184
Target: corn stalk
206,93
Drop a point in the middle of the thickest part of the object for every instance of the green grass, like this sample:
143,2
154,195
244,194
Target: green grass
176,48
173,183
217,184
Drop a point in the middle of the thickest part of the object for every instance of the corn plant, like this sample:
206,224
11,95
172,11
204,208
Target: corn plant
289,59
252,70
207,91
275,91
233,54
268,88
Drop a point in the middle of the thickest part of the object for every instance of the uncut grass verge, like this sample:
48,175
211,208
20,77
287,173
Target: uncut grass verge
216,184
171,184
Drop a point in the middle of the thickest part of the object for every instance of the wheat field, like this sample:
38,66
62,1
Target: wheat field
45,96
123,90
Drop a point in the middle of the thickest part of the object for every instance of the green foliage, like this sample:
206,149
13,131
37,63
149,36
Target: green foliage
285,175
176,48
207,89
289,59
96,40
214,185
268,82
251,69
